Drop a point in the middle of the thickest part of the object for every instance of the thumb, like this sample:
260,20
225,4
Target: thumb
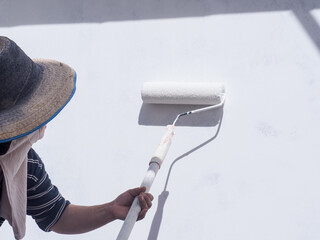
136,191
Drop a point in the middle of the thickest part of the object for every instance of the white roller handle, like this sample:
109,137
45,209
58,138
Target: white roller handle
154,166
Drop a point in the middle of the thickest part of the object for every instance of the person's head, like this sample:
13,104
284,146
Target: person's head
32,92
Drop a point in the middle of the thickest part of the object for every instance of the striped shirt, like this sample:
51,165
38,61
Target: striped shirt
44,202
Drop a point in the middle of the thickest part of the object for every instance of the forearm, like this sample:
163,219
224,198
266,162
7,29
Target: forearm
80,219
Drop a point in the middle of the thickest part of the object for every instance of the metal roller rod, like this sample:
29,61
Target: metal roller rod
154,166
200,110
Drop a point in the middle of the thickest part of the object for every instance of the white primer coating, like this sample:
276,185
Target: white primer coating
193,93
258,179
147,181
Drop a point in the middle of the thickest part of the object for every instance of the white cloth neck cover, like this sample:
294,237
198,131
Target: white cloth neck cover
14,191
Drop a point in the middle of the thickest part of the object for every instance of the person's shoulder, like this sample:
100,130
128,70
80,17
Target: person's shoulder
33,155
35,165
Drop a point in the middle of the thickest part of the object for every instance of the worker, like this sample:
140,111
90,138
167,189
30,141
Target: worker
32,93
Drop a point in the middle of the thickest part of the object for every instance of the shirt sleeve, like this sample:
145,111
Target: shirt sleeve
44,202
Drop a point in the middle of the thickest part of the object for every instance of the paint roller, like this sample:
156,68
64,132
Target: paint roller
190,93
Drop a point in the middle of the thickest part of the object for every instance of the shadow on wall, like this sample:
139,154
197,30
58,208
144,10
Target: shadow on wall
16,12
162,198
162,115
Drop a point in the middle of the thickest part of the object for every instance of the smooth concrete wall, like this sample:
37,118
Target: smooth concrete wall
249,171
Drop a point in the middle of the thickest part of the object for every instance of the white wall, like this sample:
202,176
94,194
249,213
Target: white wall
257,178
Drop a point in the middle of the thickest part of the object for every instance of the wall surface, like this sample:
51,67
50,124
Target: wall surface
248,172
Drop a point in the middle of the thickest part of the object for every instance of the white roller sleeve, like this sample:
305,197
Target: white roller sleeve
194,93
154,166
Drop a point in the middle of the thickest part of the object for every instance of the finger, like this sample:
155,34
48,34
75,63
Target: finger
136,191
142,202
148,199
142,214
150,196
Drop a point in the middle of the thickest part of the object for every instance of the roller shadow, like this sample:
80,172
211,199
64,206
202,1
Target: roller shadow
162,198
165,114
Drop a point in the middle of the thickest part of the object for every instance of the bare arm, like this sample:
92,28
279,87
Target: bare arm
80,219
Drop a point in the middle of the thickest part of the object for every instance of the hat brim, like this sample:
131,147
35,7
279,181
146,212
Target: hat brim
56,88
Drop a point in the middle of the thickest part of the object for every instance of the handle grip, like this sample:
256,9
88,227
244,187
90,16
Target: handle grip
162,150
154,165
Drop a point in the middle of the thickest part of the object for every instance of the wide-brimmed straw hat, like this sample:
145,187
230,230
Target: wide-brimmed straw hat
32,92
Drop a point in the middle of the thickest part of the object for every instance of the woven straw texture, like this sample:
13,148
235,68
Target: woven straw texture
45,102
